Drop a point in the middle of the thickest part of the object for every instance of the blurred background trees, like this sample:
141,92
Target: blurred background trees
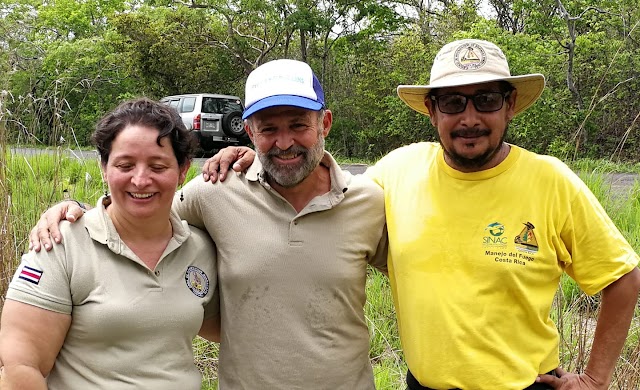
64,63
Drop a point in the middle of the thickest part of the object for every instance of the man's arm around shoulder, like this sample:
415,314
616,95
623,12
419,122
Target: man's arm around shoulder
47,228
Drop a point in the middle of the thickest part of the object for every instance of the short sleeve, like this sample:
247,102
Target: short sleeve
42,280
599,253
187,205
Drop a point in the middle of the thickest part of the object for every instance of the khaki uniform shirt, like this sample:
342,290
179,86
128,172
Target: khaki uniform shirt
131,327
292,285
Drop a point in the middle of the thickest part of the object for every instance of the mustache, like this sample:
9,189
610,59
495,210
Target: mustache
276,152
466,133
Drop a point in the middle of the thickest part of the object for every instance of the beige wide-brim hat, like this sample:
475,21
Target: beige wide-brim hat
472,61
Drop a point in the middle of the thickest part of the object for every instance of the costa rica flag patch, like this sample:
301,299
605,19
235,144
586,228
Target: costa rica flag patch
30,274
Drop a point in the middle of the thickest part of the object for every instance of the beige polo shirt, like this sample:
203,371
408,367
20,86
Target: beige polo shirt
292,285
131,327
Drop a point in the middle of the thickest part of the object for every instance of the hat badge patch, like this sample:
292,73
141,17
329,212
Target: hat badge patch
197,281
470,56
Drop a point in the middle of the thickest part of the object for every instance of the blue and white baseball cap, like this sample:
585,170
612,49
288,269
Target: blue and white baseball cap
282,83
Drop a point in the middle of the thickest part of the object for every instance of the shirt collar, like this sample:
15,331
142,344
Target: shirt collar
101,228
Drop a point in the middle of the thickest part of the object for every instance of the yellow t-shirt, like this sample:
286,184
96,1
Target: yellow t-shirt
475,260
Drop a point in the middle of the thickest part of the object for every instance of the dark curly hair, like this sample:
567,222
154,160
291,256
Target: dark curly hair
146,112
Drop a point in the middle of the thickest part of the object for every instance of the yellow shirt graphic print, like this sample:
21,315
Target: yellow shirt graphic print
526,240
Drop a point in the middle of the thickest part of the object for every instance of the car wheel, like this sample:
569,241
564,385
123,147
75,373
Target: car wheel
232,124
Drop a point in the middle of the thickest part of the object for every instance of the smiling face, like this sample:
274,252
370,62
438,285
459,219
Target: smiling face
142,176
289,141
471,139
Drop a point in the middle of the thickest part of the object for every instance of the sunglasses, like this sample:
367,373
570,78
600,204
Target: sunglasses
456,103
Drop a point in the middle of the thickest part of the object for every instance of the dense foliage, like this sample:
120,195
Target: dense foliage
64,63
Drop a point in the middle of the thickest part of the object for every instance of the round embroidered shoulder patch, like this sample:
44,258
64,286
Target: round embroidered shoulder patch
197,281
470,56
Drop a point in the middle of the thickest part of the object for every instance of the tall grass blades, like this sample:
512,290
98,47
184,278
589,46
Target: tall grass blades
206,358
32,184
627,374
42,180
385,351
6,233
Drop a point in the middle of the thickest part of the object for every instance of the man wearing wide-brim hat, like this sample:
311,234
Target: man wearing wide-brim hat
480,232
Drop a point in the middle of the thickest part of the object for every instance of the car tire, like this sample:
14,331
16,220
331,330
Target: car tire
232,124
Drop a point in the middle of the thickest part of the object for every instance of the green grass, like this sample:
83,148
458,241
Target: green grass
604,166
34,183
351,160
385,351
37,145
206,357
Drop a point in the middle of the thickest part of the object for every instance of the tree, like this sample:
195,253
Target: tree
510,14
171,52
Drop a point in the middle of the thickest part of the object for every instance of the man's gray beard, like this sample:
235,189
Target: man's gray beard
476,162
290,176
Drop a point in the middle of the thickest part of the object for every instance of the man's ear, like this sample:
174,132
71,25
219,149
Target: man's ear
431,107
327,121
511,104
247,129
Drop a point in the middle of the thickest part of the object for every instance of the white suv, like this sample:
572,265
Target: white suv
216,120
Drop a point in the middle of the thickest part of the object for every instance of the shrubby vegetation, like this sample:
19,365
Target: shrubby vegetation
65,63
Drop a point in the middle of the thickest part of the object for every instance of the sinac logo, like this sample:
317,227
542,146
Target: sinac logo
494,238
496,229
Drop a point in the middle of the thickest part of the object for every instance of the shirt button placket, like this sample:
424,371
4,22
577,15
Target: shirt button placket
294,236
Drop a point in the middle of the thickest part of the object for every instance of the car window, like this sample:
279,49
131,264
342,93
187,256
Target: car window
173,103
229,105
188,104
210,105
220,105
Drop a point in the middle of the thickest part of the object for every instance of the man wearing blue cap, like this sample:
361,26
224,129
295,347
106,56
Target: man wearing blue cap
294,236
